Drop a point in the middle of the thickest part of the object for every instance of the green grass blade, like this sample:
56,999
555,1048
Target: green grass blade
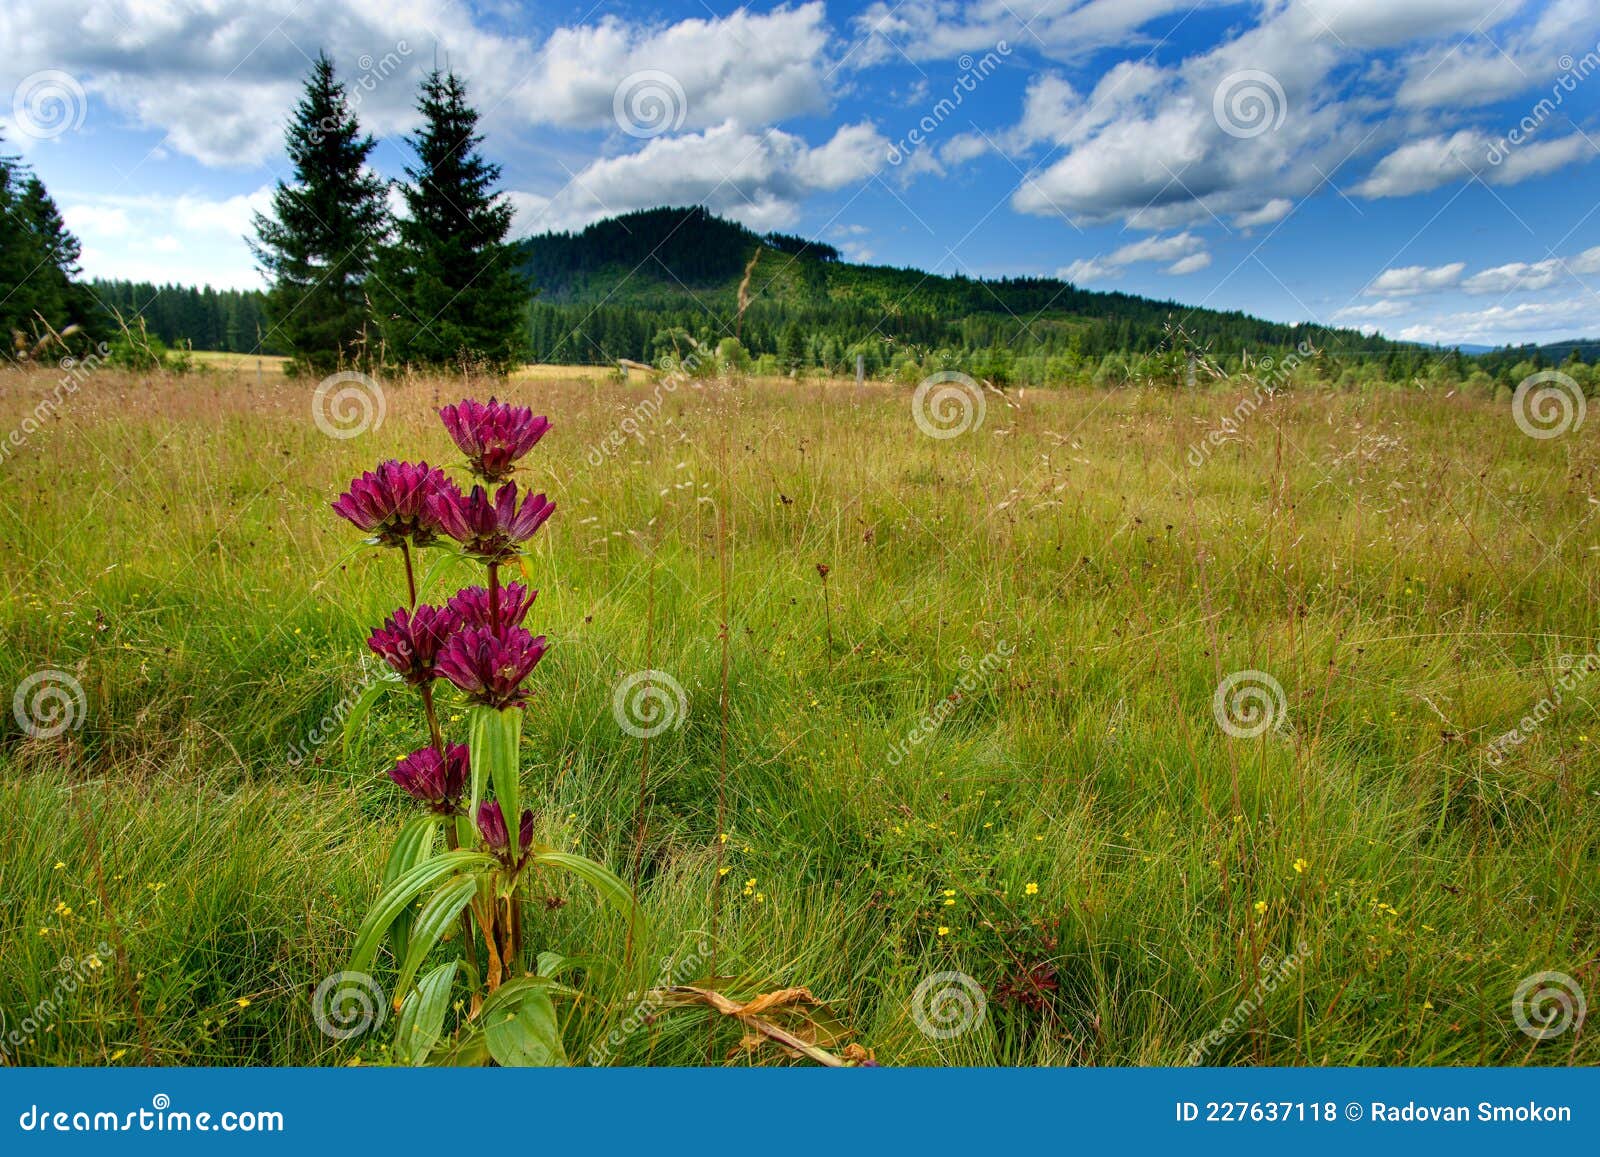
602,879
363,705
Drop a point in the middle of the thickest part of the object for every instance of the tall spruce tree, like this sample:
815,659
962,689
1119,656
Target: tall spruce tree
451,288
38,261
318,245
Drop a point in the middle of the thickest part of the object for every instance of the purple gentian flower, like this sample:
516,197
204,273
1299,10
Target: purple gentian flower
493,435
471,605
410,641
490,665
492,530
492,827
434,781
392,503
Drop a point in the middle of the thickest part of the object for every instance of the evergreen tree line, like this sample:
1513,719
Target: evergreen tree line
230,320
351,284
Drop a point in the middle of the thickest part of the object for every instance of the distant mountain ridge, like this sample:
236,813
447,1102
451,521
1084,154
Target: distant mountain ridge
612,288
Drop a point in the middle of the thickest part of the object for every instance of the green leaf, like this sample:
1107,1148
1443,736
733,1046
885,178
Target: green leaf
363,705
528,1034
599,877
552,964
494,737
413,845
505,998
422,1015
447,559
435,919
471,1050
393,900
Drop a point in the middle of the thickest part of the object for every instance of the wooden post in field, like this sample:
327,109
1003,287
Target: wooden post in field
861,376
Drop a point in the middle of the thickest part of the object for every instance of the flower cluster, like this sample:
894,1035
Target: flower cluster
492,827
493,435
392,503
413,504
434,779
410,640
476,639
490,663
489,529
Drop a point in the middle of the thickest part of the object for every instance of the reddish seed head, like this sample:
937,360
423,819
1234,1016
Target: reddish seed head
493,434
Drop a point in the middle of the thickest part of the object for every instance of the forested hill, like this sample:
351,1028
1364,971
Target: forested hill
631,285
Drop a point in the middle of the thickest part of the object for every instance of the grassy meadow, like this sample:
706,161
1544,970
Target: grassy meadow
1048,603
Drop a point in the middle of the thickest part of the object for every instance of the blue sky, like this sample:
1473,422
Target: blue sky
1425,167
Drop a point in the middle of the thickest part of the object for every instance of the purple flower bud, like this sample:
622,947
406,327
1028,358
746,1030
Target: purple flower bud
434,781
393,503
492,827
471,605
490,665
410,641
493,435
492,530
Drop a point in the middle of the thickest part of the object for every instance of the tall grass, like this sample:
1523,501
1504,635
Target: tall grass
1121,872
